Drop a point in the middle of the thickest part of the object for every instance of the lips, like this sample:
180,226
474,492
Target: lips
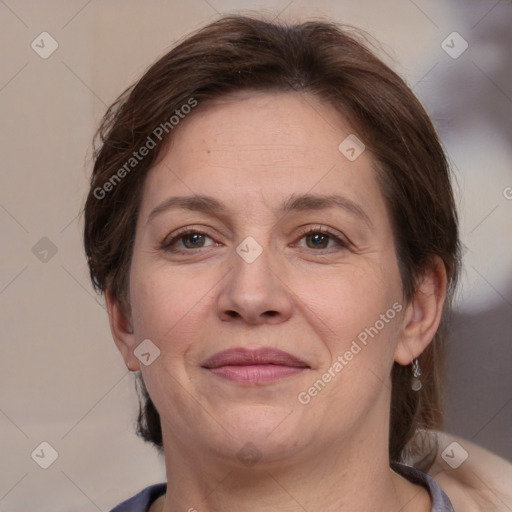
245,357
254,366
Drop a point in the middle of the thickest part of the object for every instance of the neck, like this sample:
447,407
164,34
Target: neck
350,474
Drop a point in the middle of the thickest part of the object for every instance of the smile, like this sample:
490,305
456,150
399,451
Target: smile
254,366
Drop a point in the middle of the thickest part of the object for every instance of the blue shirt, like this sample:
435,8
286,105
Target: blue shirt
440,502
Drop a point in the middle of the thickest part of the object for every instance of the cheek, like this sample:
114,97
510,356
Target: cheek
167,304
356,315
361,319
346,299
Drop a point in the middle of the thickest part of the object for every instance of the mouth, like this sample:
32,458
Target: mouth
254,366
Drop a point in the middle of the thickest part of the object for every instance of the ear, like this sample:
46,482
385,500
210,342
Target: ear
423,313
121,327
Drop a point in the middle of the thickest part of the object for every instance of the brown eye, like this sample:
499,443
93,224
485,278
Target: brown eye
320,238
187,241
193,240
317,240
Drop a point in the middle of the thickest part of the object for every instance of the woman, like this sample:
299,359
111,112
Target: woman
272,223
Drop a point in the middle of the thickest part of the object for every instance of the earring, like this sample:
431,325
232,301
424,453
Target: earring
416,372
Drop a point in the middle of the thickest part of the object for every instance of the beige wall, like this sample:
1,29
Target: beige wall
61,378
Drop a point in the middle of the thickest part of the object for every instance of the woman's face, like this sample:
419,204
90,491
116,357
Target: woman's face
258,234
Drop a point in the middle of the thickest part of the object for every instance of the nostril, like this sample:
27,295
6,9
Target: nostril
271,313
232,314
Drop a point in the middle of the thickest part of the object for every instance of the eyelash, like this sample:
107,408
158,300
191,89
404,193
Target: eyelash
324,231
167,246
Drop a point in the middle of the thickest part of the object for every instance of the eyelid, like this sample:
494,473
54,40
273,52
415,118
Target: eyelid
342,240
171,238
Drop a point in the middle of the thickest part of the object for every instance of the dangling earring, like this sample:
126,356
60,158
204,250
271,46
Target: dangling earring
416,372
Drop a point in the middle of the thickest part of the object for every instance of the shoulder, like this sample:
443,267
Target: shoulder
142,501
473,478
440,502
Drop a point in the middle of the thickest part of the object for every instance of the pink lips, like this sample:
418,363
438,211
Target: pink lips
254,366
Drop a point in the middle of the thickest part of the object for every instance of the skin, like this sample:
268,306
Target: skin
251,152
480,484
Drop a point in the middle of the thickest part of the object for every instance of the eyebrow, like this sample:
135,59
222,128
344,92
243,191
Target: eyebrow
295,203
322,202
197,203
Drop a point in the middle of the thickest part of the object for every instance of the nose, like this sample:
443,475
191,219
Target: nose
254,293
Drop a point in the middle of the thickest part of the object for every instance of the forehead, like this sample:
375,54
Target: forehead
262,122
246,144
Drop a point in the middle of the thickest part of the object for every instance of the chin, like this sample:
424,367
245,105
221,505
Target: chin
273,431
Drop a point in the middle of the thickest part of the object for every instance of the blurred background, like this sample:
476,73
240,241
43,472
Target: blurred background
62,380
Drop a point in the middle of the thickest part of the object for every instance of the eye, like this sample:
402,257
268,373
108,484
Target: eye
185,240
193,240
321,238
317,240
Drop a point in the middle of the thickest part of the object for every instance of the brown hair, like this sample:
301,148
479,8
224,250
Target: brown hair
334,64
